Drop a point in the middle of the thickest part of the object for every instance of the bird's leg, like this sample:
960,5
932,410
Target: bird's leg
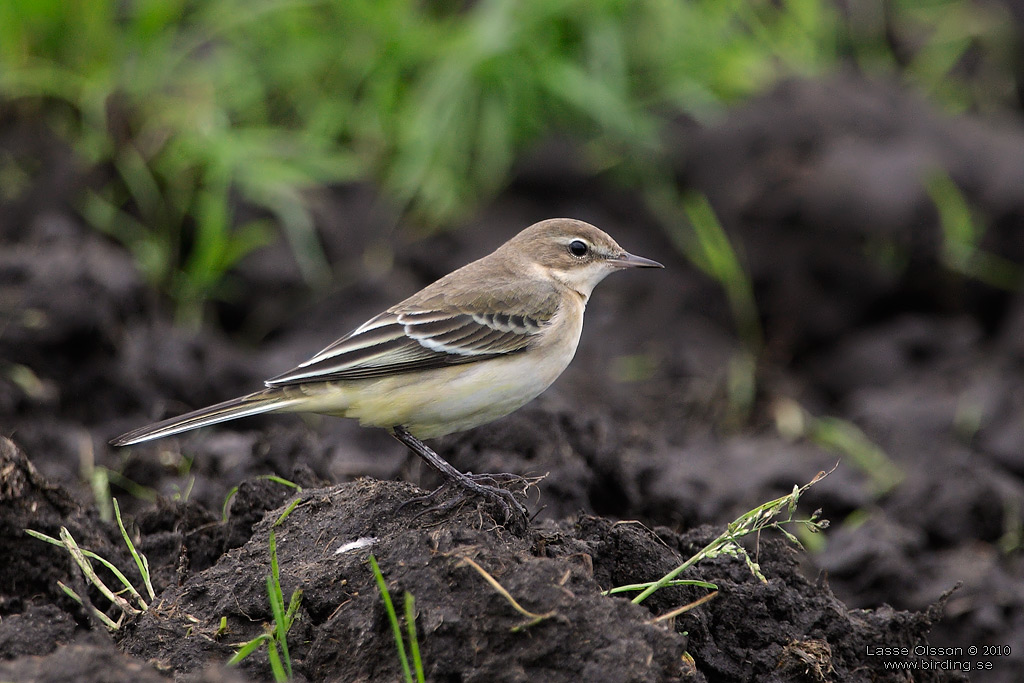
482,485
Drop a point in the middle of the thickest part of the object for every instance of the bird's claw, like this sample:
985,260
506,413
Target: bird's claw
488,486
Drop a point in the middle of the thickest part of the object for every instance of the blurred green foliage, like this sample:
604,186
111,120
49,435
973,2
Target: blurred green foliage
196,110
962,234
960,53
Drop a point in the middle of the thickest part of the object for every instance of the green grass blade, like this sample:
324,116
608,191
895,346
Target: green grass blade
280,627
275,661
140,560
288,510
389,607
43,537
247,649
227,503
276,597
281,480
414,643
293,607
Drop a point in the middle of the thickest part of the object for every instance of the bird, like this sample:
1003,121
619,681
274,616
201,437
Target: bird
475,345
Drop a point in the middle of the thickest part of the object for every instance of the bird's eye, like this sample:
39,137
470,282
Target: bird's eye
578,248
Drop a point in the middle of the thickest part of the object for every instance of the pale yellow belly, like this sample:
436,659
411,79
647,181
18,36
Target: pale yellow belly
438,402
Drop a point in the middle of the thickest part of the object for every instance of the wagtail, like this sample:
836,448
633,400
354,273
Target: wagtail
472,347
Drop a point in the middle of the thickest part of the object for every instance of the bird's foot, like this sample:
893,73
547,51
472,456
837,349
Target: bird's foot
502,489
491,487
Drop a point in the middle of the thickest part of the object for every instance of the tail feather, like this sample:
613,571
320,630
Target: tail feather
256,403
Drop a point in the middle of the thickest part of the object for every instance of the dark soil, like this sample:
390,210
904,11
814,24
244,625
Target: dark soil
646,457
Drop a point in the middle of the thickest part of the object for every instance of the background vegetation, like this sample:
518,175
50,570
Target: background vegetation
206,123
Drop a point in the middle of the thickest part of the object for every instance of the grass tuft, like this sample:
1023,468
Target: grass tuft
276,636
755,521
127,608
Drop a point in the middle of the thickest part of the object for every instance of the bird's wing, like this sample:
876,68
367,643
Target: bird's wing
419,335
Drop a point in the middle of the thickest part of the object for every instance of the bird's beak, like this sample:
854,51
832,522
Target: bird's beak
627,260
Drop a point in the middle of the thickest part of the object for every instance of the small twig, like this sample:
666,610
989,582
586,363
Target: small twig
685,608
532,616
675,582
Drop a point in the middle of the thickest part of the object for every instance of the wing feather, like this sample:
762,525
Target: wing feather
412,337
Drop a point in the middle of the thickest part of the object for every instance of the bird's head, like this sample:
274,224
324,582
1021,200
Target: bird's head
574,253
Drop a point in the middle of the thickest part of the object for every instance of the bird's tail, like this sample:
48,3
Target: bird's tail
264,401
